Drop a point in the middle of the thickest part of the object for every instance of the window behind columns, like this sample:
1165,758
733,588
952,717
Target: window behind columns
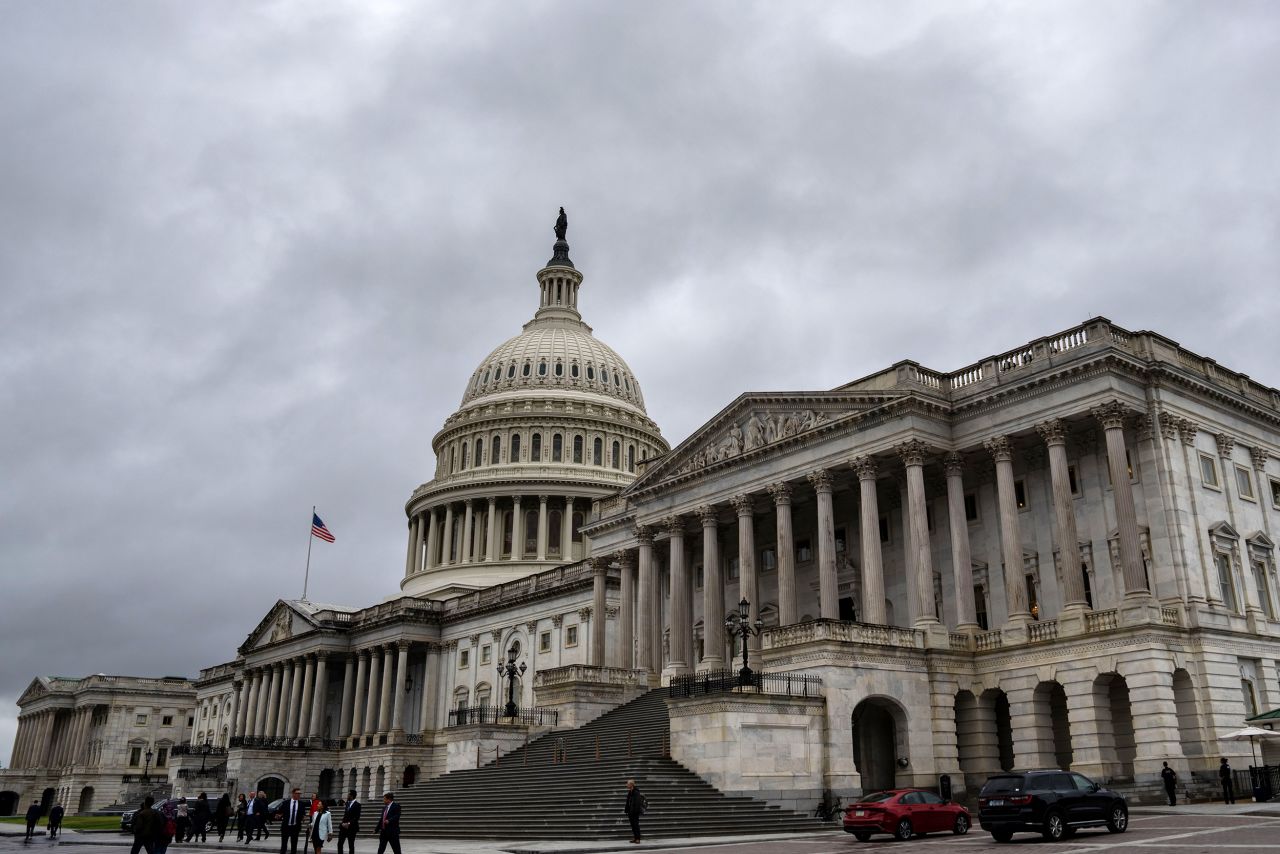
554,521
980,605
577,525
535,448
577,449
597,452
617,455
557,448
508,519
530,531
495,452
631,458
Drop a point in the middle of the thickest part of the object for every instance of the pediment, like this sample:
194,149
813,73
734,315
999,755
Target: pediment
282,622
35,691
1224,529
751,426
1261,540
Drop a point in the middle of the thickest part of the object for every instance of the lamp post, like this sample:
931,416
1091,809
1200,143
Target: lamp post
510,671
205,750
147,767
739,625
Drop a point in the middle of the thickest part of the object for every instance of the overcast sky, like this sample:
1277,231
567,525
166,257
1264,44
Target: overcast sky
250,253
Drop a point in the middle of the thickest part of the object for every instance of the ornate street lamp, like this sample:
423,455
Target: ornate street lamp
205,750
146,768
510,671
740,625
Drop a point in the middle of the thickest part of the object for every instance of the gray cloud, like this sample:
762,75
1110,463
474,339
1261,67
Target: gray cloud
249,253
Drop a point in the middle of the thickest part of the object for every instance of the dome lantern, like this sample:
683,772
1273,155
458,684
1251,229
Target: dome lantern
559,280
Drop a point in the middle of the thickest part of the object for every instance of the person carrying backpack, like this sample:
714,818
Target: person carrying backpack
635,807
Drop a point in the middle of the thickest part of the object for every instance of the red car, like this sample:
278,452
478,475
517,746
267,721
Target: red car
904,813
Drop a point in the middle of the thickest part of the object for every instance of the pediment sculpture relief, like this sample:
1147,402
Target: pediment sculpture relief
758,430
282,629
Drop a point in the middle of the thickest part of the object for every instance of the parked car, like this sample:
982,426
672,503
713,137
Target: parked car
904,813
1053,803
126,817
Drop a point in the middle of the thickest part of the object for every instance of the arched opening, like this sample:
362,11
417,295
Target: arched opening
352,781
366,784
8,803
530,531
1184,701
380,781
597,452
515,448
879,739
994,705
554,525
508,520
1115,725
326,784
577,449
557,448
495,451
273,786
86,800
47,798
577,527
1052,727
535,448
410,776
616,456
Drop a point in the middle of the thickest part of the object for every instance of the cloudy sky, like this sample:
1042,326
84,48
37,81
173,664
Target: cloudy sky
250,252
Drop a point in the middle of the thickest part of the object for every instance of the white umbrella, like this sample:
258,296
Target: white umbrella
1250,732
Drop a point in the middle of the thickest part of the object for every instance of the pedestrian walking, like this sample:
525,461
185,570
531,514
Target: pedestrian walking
144,828
33,817
183,820
321,827
1170,778
292,813
222,815
350,824
264,821
55,820
166,825
1228,785
242,819
201,816
389,825
635,806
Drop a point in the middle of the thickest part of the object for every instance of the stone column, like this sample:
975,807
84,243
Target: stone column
1112,416
961,560
681,612
517,529
828,580
599,576
644,599
402,672
290,706
253,718
348,697
361,694
566,531
873,610
712,591
446,553
787,612
491,548
468,530
1015,587
318,697
415,543
920,558
625,656
431,683
1054,433
748,589
19,742
308,696
384,705
234,726
432,557
371,701
543,523
273,700
240,726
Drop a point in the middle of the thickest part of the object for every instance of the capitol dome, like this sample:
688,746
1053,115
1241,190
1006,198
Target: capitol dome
550,421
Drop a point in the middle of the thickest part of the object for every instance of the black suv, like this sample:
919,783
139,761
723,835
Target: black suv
1053,803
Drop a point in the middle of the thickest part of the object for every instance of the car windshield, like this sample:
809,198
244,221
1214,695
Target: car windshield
1000,785
876,797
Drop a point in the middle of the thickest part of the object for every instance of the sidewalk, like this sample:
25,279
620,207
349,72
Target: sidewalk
1241,807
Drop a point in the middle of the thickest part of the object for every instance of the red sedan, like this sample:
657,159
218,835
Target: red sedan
904,813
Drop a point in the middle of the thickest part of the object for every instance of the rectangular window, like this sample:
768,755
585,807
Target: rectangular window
1225,588
1073,480
464,658
167,720
1244,483
928,516
1020,494
768,560
486,653
804,550
140,720
1275,493
135,757
733,567
980,606
971,506
162,756
1209,472
544,642
1264,589
1033,604
697,576
841,539
884,529
1088,585
1128,464
1250,699
571,636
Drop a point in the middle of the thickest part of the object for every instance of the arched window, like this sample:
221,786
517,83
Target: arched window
508,520
515,448
531,532
559,368
511,370
542,369
535,448
627,381
495,451
591,372
617,381
573,370
479,458
486,378
577,449
466,446
617,456
554,524
631,457
597,452
604,375
527,369
557,448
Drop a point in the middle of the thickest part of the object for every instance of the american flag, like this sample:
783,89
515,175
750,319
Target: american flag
319,530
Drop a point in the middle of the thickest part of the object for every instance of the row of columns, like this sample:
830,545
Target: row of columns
431,538
52,738
639,578
283,700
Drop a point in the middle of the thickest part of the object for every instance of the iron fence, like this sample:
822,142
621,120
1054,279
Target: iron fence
467,715
263,742
196,750
728,682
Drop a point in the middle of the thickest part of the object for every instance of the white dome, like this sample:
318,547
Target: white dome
555,354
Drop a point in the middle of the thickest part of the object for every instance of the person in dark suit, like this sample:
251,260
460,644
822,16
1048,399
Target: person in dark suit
33,817
389,825
55,820
634,808
259,823
349,826
144,827
293,813
1224,774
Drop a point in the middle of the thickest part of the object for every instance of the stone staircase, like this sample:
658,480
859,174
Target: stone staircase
527,794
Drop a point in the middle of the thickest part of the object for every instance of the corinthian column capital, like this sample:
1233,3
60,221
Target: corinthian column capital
644,534
781,493
821,480
1054,431
1000,449
913,452
708,515
953,463
674,525
743,504
1111,414
865,467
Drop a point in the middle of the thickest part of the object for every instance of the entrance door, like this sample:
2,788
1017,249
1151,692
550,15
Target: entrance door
874,746
273,786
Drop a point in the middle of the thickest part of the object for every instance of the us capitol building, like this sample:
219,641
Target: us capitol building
1058,556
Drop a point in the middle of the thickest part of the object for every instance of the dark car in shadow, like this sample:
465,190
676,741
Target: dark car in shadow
1052,803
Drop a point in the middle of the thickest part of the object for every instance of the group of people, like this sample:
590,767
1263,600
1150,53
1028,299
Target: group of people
53,826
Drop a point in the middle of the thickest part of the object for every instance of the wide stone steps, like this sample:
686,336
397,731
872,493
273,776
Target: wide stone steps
528,794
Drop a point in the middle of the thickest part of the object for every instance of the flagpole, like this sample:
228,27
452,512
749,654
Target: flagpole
310,536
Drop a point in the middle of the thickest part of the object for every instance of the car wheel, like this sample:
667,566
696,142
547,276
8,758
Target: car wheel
903,831
862,836
1054,826
1118,822
961,827
1002,835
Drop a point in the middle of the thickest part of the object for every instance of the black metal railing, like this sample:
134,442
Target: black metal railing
196,750
333,743
497,715
264,742
728,681
214,772
414,738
